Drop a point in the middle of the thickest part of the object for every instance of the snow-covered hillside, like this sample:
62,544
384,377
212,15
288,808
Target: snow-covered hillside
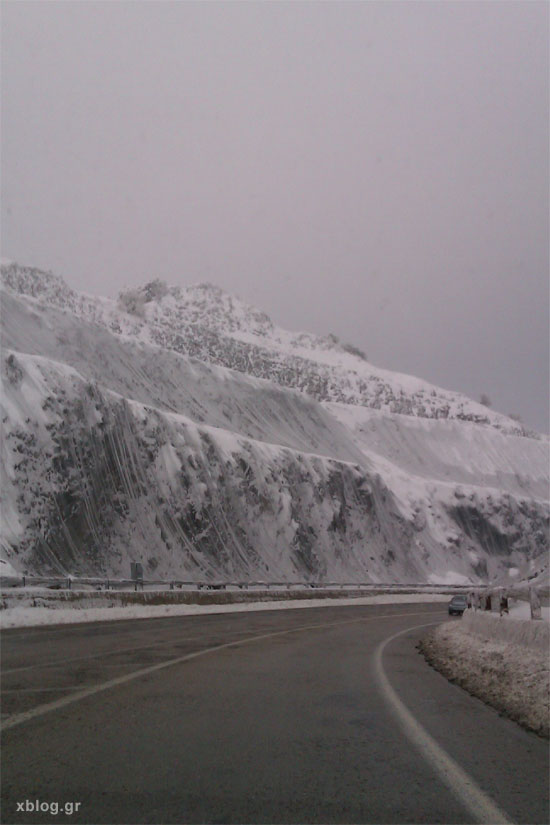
267,454
205,323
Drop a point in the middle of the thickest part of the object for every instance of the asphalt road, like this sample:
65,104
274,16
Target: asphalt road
320,720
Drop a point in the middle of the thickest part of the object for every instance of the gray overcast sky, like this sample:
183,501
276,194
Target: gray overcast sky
376,170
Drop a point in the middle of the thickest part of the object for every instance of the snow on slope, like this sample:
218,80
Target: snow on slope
171,382
204,322
117,448
451,450
93,480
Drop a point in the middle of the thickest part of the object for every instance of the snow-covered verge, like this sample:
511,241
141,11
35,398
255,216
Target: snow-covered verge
510,630
522,610
25,614
502,661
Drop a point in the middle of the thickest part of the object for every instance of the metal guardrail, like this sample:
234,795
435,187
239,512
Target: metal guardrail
72,582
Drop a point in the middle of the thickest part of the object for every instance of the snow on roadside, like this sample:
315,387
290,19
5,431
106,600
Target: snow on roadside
521,610
511,677
495,628
26,615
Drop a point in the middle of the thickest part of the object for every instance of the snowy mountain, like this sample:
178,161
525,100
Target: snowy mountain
182,428
205,323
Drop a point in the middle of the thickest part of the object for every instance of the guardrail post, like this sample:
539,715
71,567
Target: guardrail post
534,602
503,603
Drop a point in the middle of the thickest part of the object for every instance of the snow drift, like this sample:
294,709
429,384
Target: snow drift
501,661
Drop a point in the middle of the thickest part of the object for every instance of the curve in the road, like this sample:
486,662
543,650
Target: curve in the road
482,808
40,710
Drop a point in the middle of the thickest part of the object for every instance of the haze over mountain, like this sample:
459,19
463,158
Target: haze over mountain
181,428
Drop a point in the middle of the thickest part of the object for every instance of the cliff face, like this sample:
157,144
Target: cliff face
95,480
118,446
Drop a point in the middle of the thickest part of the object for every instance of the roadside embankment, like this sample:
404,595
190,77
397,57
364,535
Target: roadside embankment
64,607
503,661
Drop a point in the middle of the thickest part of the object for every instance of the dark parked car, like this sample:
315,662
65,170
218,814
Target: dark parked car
458,605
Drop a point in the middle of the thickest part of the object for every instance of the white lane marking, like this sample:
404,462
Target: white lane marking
481,807
95,656
90,656
102,653
99,655
40,710
35,631
41,690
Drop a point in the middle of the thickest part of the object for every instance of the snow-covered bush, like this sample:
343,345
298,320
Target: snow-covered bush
132,301
154,290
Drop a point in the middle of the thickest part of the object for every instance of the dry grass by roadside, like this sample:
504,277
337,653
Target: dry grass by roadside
123,598
513,679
